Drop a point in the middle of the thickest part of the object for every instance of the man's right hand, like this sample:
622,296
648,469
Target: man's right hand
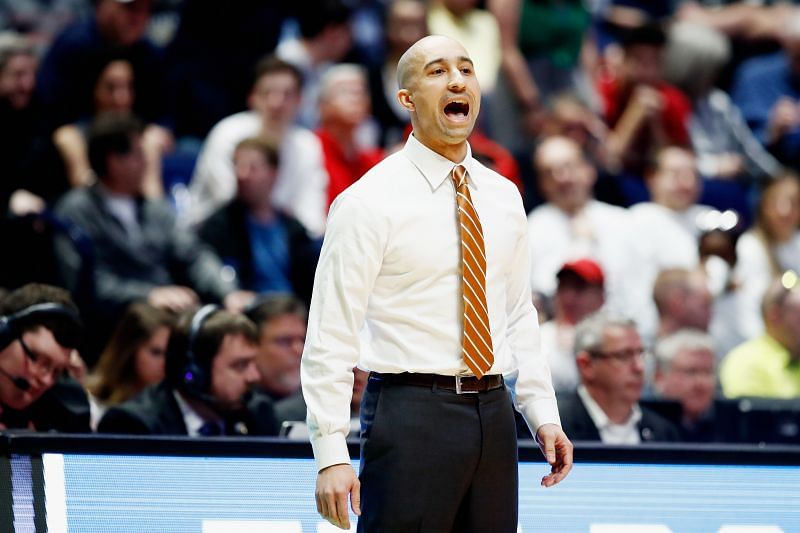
334,484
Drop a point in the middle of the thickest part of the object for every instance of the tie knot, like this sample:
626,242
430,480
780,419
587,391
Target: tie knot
459,176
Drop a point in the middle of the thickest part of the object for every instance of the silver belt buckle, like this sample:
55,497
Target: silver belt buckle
458,386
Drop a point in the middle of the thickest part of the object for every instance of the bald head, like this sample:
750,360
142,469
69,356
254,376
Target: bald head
411,62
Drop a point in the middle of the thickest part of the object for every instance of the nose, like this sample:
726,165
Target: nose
252,375
456,81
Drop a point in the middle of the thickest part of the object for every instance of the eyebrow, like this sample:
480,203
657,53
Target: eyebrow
441,60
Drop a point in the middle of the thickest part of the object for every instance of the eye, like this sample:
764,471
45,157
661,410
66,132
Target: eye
437,70
466,70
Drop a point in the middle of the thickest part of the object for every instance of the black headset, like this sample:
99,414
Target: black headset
195,377
11,329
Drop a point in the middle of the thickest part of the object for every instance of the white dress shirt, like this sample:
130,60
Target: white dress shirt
387,292
301,188
610,432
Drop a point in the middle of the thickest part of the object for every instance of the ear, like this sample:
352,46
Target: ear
250,99
584,362
404,97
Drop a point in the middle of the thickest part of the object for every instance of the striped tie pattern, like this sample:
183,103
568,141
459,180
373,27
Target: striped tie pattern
477,340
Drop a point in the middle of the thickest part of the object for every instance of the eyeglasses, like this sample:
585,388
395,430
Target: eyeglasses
622,356
44,365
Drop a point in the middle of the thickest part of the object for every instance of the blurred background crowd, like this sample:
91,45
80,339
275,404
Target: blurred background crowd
159,155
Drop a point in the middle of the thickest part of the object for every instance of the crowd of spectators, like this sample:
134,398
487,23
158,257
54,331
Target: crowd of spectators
164,156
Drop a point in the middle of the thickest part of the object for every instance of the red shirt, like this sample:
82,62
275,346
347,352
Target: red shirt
674,118
344,171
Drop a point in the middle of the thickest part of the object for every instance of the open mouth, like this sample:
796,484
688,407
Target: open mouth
457,110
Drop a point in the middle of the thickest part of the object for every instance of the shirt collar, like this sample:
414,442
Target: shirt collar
436,168
191,418
599,416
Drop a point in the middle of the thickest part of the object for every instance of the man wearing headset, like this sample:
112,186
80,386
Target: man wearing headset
210,371
39,329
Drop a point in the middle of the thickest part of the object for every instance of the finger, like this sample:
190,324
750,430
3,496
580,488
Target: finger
355,498
331,515
341,511
320,505
548,447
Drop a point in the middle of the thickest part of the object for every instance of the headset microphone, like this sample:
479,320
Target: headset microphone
19,382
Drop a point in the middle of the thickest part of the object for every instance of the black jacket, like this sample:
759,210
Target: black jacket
578,425
226,232
155,411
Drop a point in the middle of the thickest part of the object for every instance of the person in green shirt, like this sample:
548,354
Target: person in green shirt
769,365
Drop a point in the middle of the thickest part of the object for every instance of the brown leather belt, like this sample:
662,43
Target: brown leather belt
457,384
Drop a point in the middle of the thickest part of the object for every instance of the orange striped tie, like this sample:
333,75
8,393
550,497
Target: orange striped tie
477,341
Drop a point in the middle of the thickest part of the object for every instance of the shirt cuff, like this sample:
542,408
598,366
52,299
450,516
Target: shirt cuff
330,450
540,412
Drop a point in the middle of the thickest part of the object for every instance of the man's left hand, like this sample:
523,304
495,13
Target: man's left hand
557,449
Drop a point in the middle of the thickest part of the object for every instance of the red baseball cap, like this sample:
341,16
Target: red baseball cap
586,269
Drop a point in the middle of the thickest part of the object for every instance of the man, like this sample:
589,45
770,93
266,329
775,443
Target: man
642,110
403,291
139,252
344,109
210,371
269,250
768,365
32,170
302,182
611,363
686,372
766,89
572,224
683,300
579,293
667,229
281,321
39,329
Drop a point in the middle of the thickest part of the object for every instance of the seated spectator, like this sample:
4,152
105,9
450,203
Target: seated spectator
210,371
769,248
325,38
132,360
113,93
268,250
32,172
281,321
686,372
301,187
573,225
718,258
610,358
726,148
579,293
766,90
767,365
117,28
139,252
344,107
405,23
667,228
39,330
683,300
642,110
